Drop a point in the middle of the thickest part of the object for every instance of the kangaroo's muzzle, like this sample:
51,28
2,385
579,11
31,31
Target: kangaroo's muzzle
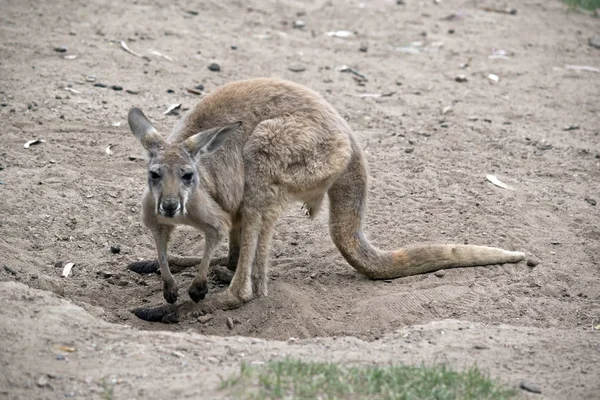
169,207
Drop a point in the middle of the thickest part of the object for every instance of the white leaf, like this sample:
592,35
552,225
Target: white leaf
498,182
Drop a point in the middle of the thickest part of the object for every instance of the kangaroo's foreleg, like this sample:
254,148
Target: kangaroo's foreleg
162,234
199,287
234,246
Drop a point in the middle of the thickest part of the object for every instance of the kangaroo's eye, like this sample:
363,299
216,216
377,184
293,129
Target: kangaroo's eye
154,175
187,177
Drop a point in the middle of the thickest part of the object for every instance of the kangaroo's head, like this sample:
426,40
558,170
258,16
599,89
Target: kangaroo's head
173,167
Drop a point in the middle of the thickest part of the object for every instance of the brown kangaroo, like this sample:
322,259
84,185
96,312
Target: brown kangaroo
238,158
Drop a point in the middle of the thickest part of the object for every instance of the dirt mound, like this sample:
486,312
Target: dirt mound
56,349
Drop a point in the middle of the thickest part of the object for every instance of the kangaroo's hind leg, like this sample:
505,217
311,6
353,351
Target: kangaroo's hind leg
261,262
226,266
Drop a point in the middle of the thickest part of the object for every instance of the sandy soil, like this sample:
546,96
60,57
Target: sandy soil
429,140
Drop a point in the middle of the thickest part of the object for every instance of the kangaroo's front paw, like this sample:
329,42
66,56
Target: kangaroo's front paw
170,292
198,290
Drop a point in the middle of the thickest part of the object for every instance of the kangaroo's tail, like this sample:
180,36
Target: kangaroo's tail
347,198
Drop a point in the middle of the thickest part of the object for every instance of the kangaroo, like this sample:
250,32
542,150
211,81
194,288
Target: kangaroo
234,162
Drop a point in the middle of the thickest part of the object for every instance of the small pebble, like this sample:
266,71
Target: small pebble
116,87
409,150
214,67
299,24
170,91
591,202
10,270
60,357
230,322
440,273
102,85
60,49
42,381
115,249
199,87
530,387
131,91
532,262
594,41
461,78
105,274
297,68
205,318
363,48
233,47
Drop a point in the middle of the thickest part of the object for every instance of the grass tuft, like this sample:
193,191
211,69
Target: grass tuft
293,379
584,4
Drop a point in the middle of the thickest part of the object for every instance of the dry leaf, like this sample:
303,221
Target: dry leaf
159,54
498,182
582,68
365,95
68,89
340,34
173,109
67,269
66,349
32,142
127,49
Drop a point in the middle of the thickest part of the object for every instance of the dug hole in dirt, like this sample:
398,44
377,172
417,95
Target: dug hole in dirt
442,95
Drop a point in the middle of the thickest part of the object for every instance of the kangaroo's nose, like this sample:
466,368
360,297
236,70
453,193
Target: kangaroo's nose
170,206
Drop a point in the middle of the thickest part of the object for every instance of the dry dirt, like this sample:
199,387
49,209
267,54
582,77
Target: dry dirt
66,199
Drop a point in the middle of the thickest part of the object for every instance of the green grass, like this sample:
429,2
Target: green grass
293,379
585,4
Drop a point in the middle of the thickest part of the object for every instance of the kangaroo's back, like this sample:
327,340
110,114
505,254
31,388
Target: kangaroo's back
252,101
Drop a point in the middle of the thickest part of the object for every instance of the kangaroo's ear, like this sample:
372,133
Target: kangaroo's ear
209,140
143,130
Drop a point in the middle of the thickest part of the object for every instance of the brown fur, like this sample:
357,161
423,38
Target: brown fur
292,146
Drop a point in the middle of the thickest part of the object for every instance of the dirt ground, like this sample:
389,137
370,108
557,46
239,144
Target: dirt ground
429,140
